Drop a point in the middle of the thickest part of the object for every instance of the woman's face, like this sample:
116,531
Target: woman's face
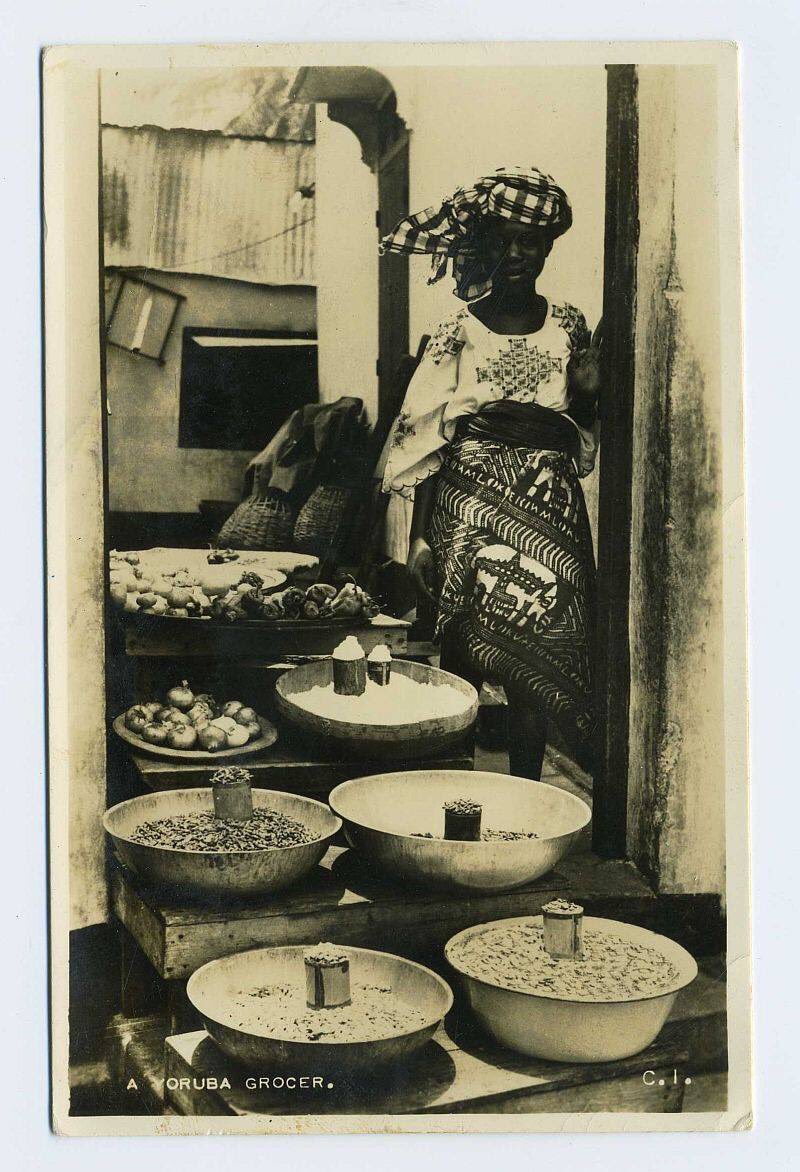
514,252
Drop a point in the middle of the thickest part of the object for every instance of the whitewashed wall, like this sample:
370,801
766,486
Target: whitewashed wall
346,266
466,122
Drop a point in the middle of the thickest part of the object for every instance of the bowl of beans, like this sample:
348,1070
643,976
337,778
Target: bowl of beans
174,839
607,1003
463,830
255,1006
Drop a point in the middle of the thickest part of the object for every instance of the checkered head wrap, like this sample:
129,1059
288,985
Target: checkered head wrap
527,196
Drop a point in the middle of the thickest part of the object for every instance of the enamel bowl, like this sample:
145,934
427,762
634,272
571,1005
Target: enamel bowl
213,989
549,1026
384,814
217,874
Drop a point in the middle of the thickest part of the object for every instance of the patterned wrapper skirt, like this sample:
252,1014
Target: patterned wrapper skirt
510,534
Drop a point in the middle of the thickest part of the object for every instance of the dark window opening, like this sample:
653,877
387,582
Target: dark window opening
239,386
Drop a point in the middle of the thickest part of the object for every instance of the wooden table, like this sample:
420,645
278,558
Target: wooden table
286,766
458,1072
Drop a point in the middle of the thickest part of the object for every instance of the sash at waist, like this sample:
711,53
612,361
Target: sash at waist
522,425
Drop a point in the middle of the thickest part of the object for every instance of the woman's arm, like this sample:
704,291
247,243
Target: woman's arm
420,563
423,507
583,371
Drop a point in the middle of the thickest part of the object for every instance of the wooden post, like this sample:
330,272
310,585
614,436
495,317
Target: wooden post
612,675
393,276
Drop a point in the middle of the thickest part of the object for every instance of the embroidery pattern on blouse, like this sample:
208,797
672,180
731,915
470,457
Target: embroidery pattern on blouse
445,341
574,323
403,429
518,371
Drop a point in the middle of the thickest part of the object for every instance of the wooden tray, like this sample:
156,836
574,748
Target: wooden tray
269,735
258,640
143,618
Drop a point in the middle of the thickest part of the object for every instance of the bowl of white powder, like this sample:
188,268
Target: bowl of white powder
420,712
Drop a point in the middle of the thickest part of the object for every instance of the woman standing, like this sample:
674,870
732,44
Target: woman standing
497,425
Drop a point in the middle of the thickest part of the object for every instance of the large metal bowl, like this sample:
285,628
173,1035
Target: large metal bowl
383,815
418,738
219,873
547,1026
211,990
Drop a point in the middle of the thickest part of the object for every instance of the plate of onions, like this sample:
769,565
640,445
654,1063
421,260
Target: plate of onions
194,727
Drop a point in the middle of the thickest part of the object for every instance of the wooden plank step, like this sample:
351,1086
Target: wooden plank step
346,901
699,1024
262,643
144,1063
285,767
122,1031
475,1077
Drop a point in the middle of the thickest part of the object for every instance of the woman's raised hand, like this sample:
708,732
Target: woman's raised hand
584,367
421,568
583,370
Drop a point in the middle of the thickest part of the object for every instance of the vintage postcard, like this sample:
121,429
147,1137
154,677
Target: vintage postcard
395,551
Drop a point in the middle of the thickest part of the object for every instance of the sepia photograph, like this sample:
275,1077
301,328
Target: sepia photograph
397,685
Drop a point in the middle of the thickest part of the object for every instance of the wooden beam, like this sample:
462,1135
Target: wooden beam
614,530
393,280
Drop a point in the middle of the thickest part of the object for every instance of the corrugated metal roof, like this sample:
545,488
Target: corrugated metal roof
197,202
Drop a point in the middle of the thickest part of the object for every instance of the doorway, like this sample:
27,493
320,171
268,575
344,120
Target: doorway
358,99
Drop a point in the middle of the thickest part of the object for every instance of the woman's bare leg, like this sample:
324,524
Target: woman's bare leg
527,737
452,659
527,724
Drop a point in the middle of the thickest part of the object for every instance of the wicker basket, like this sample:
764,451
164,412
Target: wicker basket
264,523
322,519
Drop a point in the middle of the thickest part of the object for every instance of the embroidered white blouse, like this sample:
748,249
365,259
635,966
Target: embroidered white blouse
465,366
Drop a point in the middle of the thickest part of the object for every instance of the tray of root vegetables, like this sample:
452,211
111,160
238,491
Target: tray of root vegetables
228,594
320,603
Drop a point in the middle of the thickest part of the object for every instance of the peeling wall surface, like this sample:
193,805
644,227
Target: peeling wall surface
75,555
147,471
677,767
240,101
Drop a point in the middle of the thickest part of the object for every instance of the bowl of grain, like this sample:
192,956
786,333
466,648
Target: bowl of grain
421,712
173,839
397,821
254,1006
609,1004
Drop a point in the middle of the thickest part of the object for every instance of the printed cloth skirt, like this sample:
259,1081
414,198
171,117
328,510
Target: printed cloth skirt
513,548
